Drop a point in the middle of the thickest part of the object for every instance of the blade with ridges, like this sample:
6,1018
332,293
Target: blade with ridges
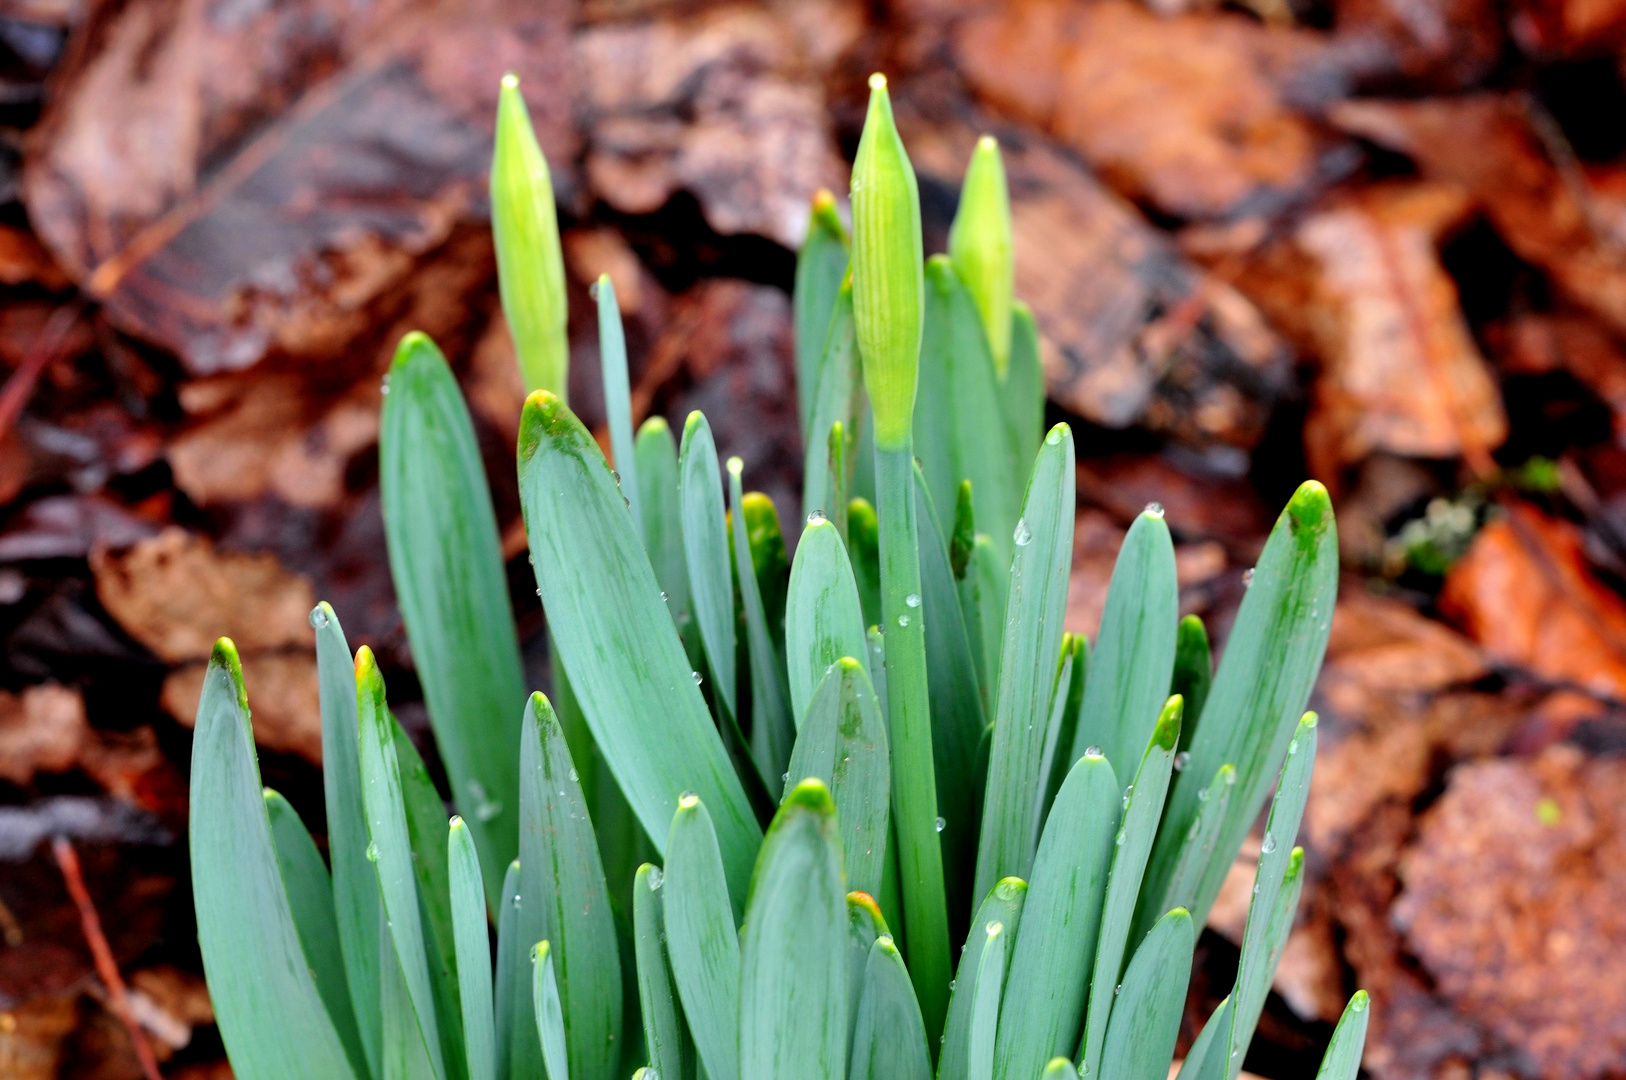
628,670
836,400
772,729
469,929
1266,953
865,923
612,348
1193,673
701,939
1342,1060
513,974
663,519
1002,905
889,1039
1146,1017
666,1035
550,1015
823,618
989,989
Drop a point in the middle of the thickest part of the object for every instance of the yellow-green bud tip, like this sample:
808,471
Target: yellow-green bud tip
456,824
735,466
510,81
877,81
824,201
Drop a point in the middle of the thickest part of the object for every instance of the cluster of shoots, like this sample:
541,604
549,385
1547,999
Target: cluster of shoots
866,812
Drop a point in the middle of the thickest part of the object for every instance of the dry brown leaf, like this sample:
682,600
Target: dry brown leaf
727,104
1488,145
1538,343
261,438
24,262
1400,370
283,696
1130,332
231,184
31,1039
41,730
1512,902
176,594
1197,114
1524,591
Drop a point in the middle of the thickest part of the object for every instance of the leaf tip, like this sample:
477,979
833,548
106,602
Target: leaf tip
1309,511
811,795
1011,888
1167,732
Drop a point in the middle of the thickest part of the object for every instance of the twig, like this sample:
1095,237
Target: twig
106,967
20,386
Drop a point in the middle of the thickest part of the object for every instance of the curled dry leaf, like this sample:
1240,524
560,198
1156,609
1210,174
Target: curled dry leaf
1524,591
234,183
727,104
1197,114
1489,145
1512,903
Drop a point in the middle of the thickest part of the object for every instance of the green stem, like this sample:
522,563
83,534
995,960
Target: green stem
914,785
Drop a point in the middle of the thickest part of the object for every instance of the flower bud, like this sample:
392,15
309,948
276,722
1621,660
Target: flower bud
980,246
530,266
888,280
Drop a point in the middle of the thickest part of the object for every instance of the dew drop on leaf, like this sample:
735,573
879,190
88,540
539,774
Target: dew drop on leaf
656,878
1247,577
1023,534
1269,845
372,852
698,678
1093,752
940,824
816,518
1055,435
1181,760
903,620
318,618
1154,509
573,777
912,600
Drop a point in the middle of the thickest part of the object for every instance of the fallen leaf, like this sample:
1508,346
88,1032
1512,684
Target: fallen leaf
1511,901
1197,114
1130,332
1554,29
1399,368
176,595
285,705
1524,591
24,262
41,730
1488,145
231,185
726,104
31,1037
69,526
1433,44
1534,344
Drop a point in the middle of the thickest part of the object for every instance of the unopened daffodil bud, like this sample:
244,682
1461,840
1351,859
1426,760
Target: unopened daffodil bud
888,279
980,246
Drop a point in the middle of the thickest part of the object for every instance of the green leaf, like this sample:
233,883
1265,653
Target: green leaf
844,743
793,979
612,351
1266,932
888,301
1055,946
356,902
530,264
1058,1068
706,548
770,561
958,433
1133,658
1146,1017
628,669
1193,673
513,962
447,565
910,729
564,899
391,851
772,730
820,266
835,400
1206,1058
864,551
1196,849
1271,660
1343,1058
864,924
823,619
665,1035
980,245
989,990
1069,700
657,458
1021,396
889,1040
956,705
310,899
963,535
1003,905
405,1055
550,1015
701,939
982,601
469,929
1143,809
1032,639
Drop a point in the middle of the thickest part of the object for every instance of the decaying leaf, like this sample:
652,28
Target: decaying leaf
1512,902
1200,115
1534,344
41,730
1525,592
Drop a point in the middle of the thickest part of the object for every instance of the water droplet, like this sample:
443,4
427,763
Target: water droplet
1293,747
1119,842
1358,1005
1202,796
1269,845
1093,752
940,824
616,477
1155,509
516,901
385,387
912,600
697,677
1247,577
664,597
1116,990
574,779
784,778
816,518
1181,760
657,877
1023,534
372,852
1230,778
994,926
952,984
903,620
318,618
1055,435
487,810
626,502
1083,1068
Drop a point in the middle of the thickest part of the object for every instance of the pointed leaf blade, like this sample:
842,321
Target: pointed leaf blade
701,939
1146,1018
823,618
889,1040
473,951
